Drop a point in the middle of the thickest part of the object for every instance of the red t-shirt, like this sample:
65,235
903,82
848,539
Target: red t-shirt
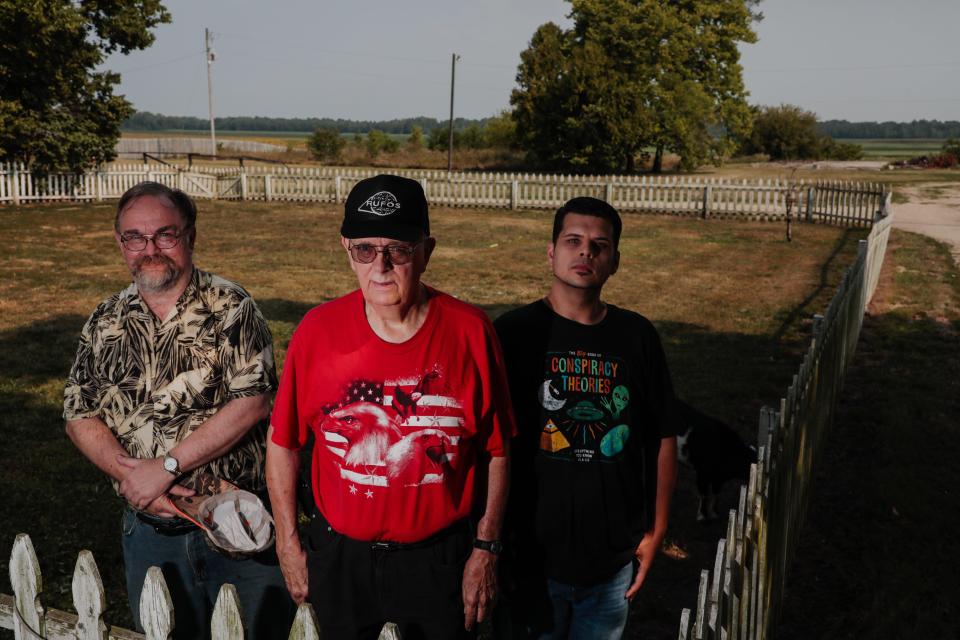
398,428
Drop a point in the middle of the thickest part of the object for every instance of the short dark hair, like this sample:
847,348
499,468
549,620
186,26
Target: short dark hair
176,198
587,206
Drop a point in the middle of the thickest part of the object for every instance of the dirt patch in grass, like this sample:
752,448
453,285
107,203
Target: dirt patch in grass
732,301
878,555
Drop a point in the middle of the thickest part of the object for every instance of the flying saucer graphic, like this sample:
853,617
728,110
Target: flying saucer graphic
614,441
552,439
584,411
549,397
584,422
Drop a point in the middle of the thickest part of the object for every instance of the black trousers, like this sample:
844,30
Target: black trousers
355,586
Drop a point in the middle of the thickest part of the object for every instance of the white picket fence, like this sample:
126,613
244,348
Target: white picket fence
184,145
741,598
24,613
833,202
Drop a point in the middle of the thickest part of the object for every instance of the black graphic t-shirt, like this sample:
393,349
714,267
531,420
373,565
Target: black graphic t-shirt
592,404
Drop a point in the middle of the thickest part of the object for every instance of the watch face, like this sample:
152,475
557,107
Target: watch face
170,464
493,546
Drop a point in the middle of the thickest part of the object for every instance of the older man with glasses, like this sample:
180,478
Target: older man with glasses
403,390
171,387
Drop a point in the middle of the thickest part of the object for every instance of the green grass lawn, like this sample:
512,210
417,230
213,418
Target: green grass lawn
733,301
881,149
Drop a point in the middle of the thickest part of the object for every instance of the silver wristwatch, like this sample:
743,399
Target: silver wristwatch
171,464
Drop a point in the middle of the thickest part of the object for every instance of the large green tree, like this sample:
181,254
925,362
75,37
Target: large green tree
635,75
57,111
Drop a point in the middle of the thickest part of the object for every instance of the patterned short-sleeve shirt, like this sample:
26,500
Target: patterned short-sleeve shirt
153,382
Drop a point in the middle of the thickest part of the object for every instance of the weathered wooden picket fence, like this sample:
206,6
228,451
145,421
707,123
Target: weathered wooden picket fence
741,598
25,614
833,202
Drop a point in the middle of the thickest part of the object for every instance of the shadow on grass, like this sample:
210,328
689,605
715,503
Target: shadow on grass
49,490
878,555
278,310
803,309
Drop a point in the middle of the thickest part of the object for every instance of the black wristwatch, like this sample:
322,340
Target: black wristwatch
493,546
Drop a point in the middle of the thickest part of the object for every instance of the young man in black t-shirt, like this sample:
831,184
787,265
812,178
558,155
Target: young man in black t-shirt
595,457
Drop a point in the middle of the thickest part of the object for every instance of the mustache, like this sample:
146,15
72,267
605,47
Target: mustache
157,259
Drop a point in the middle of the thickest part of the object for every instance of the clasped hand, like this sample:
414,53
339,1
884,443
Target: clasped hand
146,483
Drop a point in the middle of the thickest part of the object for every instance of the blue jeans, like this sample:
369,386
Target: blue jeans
597,612
194,573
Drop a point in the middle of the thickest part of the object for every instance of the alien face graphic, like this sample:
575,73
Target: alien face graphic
621,398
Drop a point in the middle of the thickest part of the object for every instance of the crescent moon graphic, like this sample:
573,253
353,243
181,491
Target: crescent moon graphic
548,400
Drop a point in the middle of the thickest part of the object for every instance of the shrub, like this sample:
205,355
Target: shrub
786,132
325,144
951,147
437,140
415,141
377,141
501,131
833,150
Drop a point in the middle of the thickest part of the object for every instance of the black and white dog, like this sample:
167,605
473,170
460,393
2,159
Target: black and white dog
715,452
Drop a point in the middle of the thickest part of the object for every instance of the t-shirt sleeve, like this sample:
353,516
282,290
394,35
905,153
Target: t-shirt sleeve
497,420
247,352
81,393
289,425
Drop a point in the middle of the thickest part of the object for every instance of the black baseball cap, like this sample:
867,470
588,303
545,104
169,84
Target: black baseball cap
386,206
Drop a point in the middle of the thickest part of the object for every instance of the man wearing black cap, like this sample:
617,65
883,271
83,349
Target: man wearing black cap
404,392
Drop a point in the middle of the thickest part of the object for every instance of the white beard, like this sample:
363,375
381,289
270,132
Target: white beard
157,281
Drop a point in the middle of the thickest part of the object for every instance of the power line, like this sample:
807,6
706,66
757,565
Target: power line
873,100
158,64
858,68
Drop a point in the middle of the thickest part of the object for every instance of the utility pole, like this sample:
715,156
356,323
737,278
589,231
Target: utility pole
453,75
211,56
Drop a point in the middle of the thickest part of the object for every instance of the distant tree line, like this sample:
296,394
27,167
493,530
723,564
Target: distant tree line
890,130
147,121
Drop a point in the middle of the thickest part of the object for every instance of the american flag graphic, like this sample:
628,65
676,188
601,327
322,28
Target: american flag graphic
393,433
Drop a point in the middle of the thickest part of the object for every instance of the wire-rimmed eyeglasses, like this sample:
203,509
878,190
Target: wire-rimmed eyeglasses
366,253
161,240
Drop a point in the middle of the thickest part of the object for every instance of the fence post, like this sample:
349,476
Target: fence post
608,193
89,599
336,184
226,623
15,183
423,185
817,326
707,191
27,585
305,625
267,188
514,194
243,185
156,607
810,194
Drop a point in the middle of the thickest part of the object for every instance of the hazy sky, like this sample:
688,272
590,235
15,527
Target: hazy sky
373,60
